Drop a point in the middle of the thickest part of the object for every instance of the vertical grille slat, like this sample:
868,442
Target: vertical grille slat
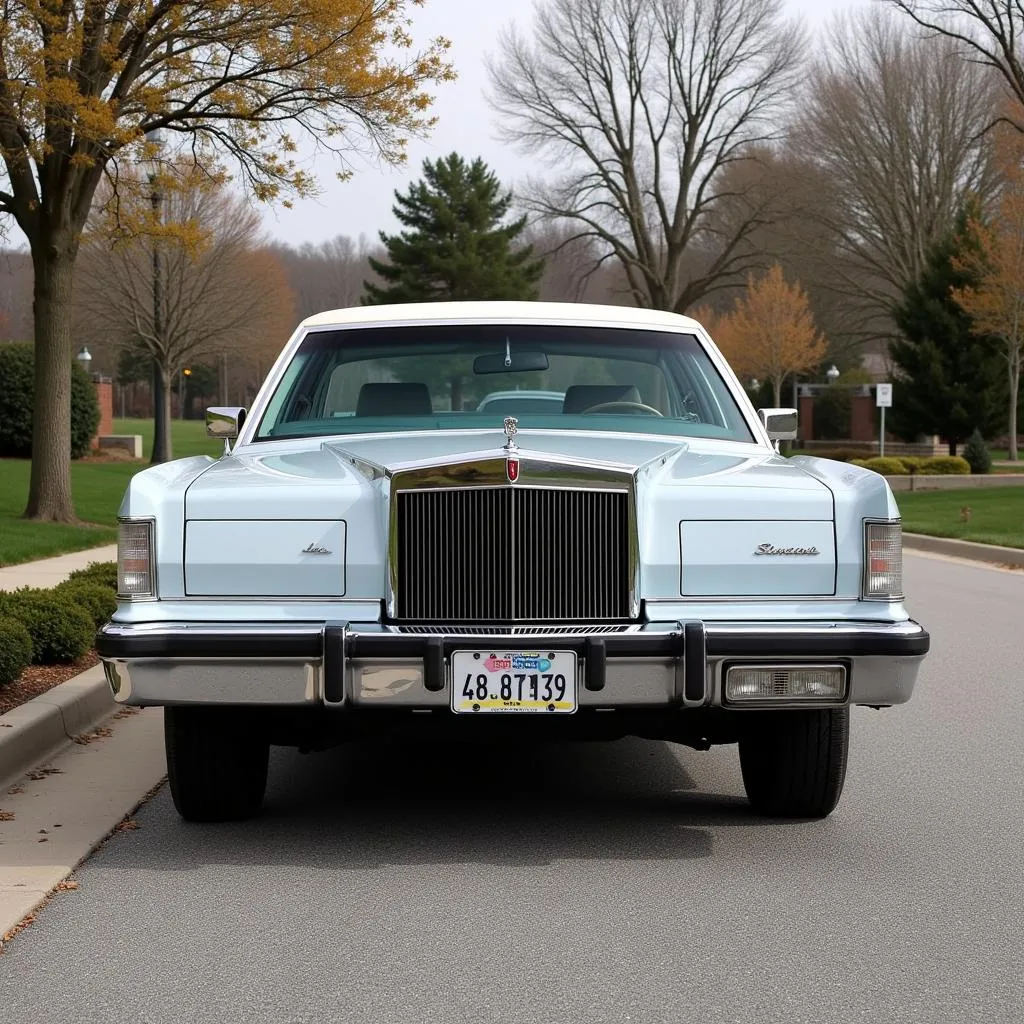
512,554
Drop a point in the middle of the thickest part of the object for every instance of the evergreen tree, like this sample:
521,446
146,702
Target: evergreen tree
454,247
949,379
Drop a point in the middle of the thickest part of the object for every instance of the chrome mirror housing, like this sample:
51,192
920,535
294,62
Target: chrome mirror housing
224,422
780,424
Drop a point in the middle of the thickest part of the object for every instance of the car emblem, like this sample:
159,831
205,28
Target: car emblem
771,549
315,549
512,469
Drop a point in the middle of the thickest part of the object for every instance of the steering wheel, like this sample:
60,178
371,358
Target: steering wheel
635,406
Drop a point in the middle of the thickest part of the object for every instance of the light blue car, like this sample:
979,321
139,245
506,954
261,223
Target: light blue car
377,552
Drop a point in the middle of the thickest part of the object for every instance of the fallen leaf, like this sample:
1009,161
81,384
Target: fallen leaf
126,824
6,816
67,885
16,790
43,840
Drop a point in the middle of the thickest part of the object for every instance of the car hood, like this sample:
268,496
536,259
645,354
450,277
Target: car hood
311,517
320,479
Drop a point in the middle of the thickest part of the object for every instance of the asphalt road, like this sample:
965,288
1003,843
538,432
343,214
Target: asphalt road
606,883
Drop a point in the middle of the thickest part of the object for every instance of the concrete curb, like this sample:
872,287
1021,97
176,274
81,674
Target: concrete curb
992,554
37,729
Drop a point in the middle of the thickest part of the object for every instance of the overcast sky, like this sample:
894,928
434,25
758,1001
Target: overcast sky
363,204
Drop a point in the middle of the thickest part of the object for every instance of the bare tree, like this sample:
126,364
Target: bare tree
645,104
328,275
990,31
892,128
220,291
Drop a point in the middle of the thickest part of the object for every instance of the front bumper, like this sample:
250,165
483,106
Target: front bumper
351,666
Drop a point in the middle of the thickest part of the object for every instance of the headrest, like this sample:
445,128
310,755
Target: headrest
404,399
580,397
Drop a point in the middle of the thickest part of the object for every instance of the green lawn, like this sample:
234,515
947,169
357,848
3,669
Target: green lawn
97,489
997,514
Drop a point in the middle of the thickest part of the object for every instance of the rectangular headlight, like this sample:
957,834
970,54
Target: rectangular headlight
785,683
135,558
883,561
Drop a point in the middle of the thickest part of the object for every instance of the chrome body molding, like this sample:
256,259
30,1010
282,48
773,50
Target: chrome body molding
355,667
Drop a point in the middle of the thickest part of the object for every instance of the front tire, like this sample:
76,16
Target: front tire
216,763
794,762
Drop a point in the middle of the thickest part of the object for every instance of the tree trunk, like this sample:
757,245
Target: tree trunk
161,415
1014,394
49,489
952,447
777,391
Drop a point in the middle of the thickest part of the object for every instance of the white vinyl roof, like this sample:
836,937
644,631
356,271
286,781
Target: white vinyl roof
535,312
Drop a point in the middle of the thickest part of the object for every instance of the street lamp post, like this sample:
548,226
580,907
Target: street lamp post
832,374
84,358
160,440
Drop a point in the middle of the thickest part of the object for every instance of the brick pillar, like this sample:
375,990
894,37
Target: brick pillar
105,395
862,418
805,417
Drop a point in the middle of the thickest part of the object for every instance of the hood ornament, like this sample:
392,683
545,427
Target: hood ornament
511,449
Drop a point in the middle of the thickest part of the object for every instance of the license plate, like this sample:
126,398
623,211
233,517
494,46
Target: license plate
511,681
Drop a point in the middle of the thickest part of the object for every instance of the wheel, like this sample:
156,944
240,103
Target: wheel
794,762
216,763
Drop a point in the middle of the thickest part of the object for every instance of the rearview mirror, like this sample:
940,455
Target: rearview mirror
510,362
780,424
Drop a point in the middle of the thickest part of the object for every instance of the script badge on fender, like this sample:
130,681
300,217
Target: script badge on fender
512,470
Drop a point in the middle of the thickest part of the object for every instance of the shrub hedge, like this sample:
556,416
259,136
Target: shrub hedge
99,601
17,369
61,630
886,465
945,465
15,649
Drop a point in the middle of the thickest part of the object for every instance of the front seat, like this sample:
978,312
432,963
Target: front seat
580,397
394,399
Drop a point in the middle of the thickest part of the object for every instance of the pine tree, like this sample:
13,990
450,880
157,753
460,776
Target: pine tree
455,245
949,378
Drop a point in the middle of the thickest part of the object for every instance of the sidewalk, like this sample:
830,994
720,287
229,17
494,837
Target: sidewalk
50,571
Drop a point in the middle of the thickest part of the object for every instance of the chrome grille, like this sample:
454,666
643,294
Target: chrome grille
512,554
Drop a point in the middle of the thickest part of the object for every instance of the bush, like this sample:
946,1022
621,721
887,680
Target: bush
977,454
17,366
102,573
886,466
98,601
945,465
911,463
858,462
60,629
15,650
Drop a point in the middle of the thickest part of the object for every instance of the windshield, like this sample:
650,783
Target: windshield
458,376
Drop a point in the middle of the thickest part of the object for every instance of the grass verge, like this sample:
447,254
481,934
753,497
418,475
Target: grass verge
985,515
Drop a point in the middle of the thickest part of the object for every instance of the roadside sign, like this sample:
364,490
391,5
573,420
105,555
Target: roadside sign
883,396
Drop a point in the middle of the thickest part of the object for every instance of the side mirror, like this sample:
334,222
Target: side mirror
224,422
780,424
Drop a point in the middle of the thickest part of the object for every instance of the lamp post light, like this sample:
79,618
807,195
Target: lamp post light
832,373
84,358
